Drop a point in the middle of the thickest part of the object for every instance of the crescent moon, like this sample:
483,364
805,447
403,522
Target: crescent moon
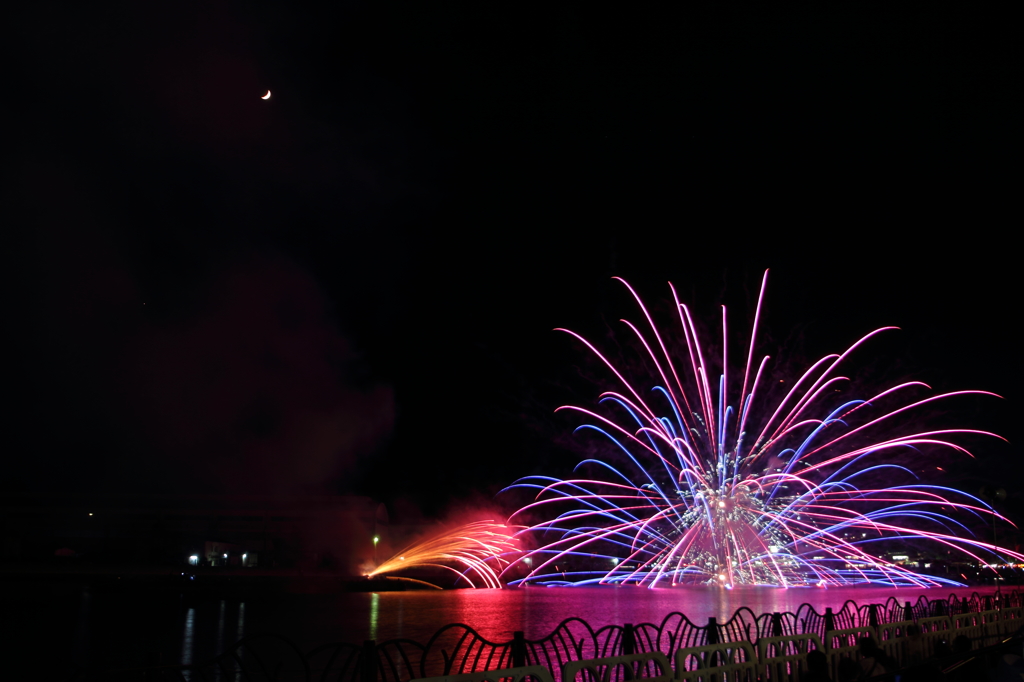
266,96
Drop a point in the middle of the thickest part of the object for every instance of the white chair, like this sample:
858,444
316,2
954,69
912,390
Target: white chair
726,662
633,667
537,672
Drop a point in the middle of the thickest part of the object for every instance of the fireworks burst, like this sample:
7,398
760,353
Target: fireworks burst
710,491
473,552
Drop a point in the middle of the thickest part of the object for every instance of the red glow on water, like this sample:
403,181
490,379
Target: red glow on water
496,614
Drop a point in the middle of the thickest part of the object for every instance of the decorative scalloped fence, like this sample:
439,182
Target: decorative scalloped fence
458,649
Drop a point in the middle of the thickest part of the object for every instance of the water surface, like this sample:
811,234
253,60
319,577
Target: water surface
89,628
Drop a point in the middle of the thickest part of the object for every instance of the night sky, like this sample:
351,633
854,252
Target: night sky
351,287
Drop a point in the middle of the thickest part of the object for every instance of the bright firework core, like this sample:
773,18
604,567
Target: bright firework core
707,491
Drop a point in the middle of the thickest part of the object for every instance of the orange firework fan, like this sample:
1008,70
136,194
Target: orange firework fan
476,552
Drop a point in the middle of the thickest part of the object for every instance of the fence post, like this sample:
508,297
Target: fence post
908,611
712,630
628,640
776,624
518,649
988,602
830,619
368,662
873,615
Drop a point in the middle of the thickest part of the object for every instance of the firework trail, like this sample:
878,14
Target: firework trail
723,489
474,552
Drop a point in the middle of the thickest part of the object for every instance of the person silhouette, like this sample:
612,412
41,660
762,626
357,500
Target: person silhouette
848,671
817,668
871,658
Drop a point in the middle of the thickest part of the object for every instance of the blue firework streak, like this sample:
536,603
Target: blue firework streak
712,491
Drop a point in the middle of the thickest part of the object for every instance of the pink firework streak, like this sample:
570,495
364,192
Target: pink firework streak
711,492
